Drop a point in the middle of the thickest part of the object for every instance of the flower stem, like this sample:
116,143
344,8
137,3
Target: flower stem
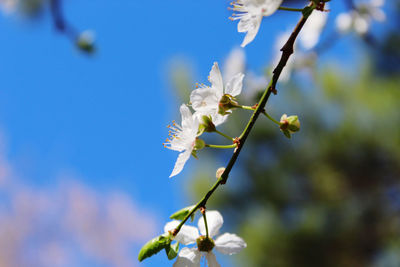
272,119
222,146
290,9
205,222
263,112
247,107
224,135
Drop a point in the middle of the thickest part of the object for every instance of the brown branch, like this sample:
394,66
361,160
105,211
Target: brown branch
287,51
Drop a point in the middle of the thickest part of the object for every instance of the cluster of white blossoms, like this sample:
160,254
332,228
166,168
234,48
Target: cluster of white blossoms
210,105
213,102
226,243
209,100
360,18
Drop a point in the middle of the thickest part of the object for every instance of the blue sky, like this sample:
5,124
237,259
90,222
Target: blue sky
103,117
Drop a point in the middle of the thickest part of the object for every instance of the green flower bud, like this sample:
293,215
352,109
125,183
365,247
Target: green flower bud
207,125
85,42
226,103
289,125
205,244
200,144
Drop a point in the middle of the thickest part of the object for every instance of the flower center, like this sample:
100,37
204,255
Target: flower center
205,244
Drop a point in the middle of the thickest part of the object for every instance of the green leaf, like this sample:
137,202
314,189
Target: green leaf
307,11
172,251
154,246
286,133
181,214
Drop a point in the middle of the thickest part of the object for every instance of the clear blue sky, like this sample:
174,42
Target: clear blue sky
103,117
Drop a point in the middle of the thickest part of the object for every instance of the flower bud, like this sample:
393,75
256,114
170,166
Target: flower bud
205,244
85,42
207,124
219,172
289,125
199,144
226,103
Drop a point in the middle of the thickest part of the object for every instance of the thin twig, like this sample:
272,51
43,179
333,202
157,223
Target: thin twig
60,22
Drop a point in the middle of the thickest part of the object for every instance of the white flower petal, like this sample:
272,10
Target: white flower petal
212,260
214,220
250,24
377,3
361,25
378,15
344,22
216,78
170,225
234,63
188,257
180,162
234,86
218,119
187,235
270,6
187,120
204,99
229,244
309,35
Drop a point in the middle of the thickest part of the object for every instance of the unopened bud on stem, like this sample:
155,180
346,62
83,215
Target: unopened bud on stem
226,103
207,125
289,125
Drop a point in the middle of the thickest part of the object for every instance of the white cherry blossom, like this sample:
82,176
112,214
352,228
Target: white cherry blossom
190,257
183,138
360,19
206,99
250,15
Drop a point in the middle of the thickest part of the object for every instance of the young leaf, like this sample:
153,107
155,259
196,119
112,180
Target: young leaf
181,214
154,246
172,251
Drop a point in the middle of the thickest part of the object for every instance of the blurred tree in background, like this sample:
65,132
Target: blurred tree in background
330,195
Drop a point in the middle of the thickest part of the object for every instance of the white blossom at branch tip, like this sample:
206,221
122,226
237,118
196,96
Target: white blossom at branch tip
250,15
227,243
183,138
361,18
205,99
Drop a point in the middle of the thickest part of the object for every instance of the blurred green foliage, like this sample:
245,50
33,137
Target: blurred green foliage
330,196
